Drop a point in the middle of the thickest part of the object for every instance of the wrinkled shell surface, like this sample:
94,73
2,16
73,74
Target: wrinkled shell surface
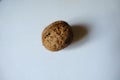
57,36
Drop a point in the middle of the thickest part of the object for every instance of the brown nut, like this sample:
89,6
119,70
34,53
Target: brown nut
57,35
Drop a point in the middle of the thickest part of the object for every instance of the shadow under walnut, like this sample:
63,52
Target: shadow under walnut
79,32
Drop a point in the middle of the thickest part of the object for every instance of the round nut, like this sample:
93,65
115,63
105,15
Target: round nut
57,36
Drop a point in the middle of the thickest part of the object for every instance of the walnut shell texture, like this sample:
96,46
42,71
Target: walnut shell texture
57,36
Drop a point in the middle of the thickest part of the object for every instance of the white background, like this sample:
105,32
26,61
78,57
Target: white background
95,57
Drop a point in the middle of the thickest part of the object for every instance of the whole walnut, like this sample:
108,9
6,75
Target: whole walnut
57,36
